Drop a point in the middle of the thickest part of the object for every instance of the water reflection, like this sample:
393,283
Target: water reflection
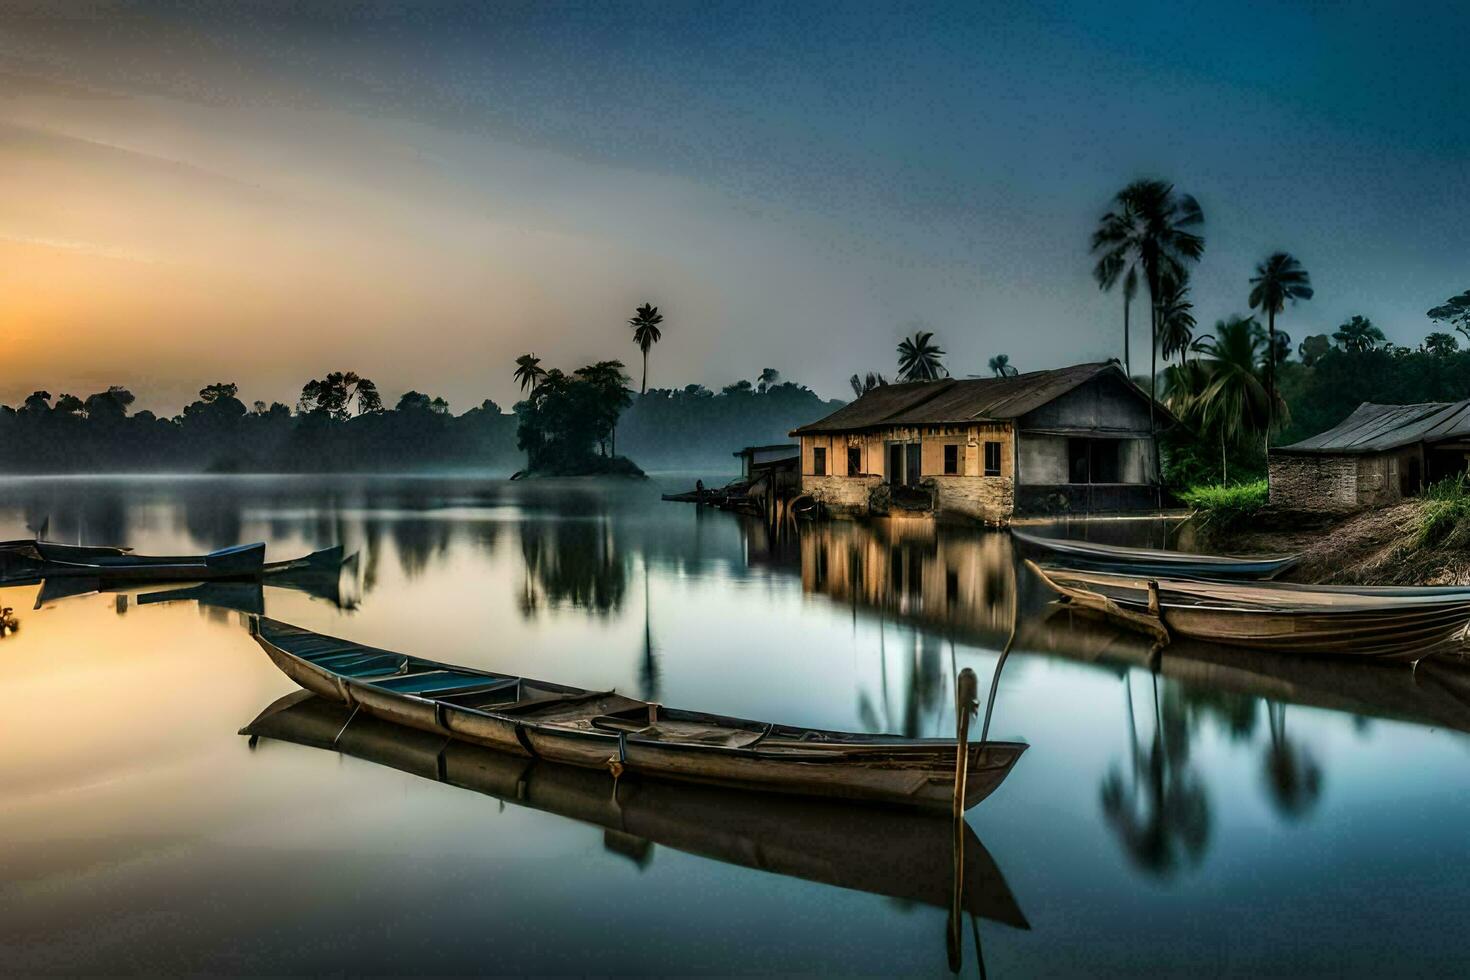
903,855
1157,805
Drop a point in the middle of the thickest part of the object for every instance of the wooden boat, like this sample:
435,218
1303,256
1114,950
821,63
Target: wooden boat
901,854
607,730
1149,561
40,550
1405,623
244,559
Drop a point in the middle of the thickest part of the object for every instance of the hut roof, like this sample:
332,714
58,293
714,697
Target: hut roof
953,400
1378,428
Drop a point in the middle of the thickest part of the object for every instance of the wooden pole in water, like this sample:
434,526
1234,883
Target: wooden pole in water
966,690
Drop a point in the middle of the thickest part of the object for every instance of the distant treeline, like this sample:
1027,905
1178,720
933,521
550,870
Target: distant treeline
341,425
668,428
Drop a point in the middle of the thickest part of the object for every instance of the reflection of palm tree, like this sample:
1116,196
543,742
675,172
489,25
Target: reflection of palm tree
1165,821
649,672
1293,777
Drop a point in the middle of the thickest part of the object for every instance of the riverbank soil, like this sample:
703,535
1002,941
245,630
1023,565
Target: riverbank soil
1371,547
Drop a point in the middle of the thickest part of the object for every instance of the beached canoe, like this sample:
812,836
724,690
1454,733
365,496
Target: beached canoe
901,854
1403,623
607,730
1150,561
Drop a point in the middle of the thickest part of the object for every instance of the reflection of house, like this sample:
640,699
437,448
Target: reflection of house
1378,454
962,583
1072,439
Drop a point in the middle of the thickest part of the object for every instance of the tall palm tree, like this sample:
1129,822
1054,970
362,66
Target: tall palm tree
645,321
1117,267
918,359
1278,279
1150,228
1176,319
529,372
1000,366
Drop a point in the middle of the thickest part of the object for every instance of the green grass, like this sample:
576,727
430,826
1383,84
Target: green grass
1445,518
1227,506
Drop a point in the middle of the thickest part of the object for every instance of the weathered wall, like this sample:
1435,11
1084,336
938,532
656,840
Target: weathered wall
1103,406
969,492
843,494
1043,459
1314,482
1137,459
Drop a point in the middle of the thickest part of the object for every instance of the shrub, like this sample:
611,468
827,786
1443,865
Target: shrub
1446,511
1226,506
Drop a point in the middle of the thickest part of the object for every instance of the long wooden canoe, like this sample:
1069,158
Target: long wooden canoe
244,559
1153,562
1405,623
901,854
607,730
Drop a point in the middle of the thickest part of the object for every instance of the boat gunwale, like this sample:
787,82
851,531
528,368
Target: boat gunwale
797,752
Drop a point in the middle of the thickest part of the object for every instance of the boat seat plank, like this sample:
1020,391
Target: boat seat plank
430,681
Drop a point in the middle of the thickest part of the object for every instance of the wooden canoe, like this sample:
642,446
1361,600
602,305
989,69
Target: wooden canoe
886,851
1153,562
1405,623
607,730
244,559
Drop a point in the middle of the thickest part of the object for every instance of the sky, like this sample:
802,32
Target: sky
421,192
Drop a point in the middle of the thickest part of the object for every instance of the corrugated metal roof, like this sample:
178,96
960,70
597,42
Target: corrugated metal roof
1377,428
968,400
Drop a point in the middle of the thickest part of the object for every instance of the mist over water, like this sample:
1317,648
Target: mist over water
1161,814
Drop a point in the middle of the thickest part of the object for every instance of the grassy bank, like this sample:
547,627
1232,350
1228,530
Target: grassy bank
1226,507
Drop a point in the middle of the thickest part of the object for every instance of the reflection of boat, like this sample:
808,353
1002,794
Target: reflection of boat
1422,694
1382,621
603,729
318,575
880,850
1150,561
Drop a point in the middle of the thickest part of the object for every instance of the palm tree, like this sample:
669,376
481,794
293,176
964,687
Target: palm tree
529,372
1176,319
1233,403
861,386
1149,229
767,378
918,359
1116,267
645,321
1278,279
1000,366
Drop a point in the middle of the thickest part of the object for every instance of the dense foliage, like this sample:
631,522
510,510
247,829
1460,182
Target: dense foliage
218,433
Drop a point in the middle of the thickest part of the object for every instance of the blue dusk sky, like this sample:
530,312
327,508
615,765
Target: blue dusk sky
420,192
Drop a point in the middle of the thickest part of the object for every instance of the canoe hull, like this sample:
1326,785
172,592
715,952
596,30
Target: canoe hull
1151,562
1380,623
918,772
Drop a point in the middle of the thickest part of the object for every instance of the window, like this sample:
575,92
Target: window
992,459
1094,460
819,460
854,460
951,458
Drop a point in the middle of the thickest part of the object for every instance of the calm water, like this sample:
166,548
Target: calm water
1226,813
